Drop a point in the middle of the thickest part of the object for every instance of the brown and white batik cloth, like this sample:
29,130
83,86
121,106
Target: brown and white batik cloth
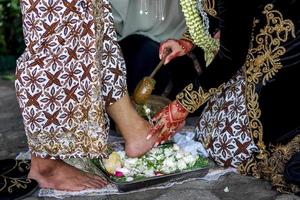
71,69
223,126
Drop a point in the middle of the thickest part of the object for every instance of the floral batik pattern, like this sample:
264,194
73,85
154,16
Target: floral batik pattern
71,69
223,126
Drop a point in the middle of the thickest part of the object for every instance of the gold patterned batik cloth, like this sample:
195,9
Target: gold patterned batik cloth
71,69
231,126
223,126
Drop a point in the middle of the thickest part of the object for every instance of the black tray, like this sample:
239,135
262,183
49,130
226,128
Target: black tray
146,182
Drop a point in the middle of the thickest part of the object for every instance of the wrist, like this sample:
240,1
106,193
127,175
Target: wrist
180,109
186,45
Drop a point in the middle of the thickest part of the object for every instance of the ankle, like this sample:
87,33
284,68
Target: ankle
135,128
123,113
42,166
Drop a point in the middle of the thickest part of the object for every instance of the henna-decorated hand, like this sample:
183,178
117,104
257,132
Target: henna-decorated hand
168,121
178,48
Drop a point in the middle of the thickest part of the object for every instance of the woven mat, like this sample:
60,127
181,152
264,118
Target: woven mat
213,174
84,164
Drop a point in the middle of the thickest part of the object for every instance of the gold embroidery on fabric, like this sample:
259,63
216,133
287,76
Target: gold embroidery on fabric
262,63
18,183
21,164
209,7
191,99
4,184
272,168
13,184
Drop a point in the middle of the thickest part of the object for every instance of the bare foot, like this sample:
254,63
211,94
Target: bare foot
135,136
133,127
56,174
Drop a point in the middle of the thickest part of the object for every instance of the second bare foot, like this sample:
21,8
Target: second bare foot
56,174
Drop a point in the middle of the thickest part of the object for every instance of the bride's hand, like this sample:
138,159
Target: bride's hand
169,120
177,47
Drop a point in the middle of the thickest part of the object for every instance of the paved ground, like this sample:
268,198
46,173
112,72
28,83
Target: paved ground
13,140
